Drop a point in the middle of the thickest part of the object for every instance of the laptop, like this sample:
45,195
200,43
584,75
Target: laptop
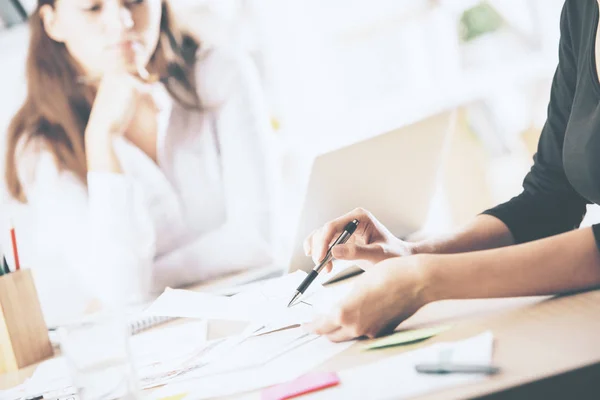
393,175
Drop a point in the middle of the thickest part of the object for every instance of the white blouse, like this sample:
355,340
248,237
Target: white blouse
204,209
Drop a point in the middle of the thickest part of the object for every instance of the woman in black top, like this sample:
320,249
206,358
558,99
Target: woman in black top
530,245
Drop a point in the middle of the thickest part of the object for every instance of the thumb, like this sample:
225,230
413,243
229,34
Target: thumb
352,251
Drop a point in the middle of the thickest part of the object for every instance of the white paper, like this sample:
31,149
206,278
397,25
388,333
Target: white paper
188,304
255,352
396,378
49,376
263,303
309,352
157,355
160,354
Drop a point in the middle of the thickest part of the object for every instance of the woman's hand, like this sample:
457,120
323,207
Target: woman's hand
371,241
380,300
117,99
116,108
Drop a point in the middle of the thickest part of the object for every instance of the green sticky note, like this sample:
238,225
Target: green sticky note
406,337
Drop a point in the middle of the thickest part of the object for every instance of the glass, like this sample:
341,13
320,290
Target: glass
99,359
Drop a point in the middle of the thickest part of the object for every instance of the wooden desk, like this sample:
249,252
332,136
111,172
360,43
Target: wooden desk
537,340
554,342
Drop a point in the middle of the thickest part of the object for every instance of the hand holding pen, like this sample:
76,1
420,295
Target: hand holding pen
342,238
372,242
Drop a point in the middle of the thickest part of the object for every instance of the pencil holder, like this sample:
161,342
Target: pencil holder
23,333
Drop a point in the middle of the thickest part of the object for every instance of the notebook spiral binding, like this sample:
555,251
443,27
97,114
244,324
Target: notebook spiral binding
141,324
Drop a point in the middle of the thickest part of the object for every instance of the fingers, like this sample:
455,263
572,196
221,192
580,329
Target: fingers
323,325
322,239
145,76
331,328
354,251
318,242
341,335
308,247
329,266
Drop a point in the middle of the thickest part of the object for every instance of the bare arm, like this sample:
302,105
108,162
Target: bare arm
100,153
561,263
484,232
385,296
373,242
113,110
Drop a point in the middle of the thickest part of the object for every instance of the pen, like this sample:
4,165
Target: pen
13,238
343,238
447,368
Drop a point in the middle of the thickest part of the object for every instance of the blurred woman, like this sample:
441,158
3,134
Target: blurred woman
142,161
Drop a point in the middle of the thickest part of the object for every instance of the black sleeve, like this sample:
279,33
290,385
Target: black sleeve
548,204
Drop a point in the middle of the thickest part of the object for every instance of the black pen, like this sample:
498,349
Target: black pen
343,238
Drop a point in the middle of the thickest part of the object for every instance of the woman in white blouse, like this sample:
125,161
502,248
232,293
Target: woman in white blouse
141,161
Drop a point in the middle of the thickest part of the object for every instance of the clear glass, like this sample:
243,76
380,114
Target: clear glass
99,359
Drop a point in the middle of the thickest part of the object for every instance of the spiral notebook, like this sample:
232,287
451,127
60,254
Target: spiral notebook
142,323
138,323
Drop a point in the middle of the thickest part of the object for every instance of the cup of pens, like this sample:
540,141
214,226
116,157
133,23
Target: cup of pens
23,333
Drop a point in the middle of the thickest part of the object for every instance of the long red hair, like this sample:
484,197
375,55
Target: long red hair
57,108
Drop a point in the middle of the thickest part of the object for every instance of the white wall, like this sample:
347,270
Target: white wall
13,48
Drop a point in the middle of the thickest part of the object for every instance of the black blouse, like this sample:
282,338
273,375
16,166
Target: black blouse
566,171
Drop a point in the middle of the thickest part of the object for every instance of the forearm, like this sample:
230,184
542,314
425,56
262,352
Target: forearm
561,263
100,153
484,232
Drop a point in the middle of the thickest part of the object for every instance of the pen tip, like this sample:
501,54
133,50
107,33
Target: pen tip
291,303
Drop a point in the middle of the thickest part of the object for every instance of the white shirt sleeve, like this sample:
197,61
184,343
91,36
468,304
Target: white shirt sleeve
100,237
229,87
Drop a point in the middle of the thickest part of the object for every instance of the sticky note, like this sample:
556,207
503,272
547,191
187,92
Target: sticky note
406,337
310,382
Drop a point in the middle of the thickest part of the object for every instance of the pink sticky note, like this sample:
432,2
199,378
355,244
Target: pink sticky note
305,384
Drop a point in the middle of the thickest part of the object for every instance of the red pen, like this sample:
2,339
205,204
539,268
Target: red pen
13,238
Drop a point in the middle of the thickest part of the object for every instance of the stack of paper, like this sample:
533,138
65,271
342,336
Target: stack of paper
253,359
262,355
263,361
264,303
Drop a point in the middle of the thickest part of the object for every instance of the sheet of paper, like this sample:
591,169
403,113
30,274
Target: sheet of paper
407,337
169,341
266,303
396,378
158,355
188,304
163,353
254,352
288,365
50,377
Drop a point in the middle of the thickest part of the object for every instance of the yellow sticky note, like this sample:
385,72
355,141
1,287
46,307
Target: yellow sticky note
406,337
